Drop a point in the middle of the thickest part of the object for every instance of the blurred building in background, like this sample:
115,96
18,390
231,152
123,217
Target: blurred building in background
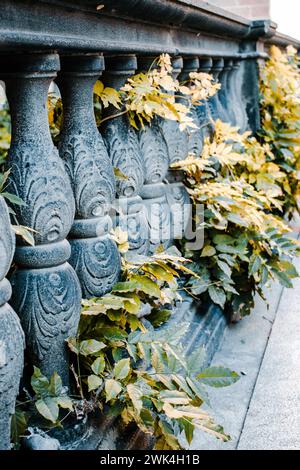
283,12
253,9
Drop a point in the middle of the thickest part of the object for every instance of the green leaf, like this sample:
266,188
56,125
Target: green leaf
25,233
56,386
236,219
147,418
13,199
122,369
188,429
98,365
174,397
254,265
223,240
208,251
120,175
199,286
158,317
264,275
112,389
48,408
218,377
94,382
133,304
289,269
91,347
227,249
73,344
113,333
161,273
39,383
3,179
139,283
135,394
283,278
132,351
134,322
158,359
217,295
65,402
224,267
169,440
196,360
198,390
18,426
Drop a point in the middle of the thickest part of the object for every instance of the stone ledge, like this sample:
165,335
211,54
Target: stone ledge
176,27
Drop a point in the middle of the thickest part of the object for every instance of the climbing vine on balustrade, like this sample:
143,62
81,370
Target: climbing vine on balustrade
127,368
144,96
245,244
280,115
139,371
246,185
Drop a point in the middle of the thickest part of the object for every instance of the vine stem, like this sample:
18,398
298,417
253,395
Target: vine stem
113,116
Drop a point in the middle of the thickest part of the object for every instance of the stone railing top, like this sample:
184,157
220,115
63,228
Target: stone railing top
283,40
188,14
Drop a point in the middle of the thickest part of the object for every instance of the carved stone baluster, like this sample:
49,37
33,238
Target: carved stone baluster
95,256
215,101
176,140
156,164
177,143
227,99
194,136
204,111
11,334
124,150
152,142
236,87
46,291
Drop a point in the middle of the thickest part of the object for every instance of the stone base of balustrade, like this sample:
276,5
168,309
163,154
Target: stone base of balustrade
206,326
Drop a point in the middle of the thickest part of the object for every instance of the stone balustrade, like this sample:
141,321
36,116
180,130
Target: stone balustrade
72,198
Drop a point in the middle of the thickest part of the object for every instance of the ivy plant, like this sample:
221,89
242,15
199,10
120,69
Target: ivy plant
140,371
245,245
280,116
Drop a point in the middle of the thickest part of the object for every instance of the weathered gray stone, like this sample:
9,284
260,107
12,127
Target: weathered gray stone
273,418
124,150
39,440
194,136
11,334
46,291
224,95
95,256
242,350
204,111
219,109
46,288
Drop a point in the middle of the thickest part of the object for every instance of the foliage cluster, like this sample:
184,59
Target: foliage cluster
155,93
122,364
246,245
280,114
5,133
127,368
141,372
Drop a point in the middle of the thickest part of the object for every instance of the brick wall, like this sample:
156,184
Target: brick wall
252,9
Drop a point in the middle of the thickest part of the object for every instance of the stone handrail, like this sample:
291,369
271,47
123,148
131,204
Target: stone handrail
69,191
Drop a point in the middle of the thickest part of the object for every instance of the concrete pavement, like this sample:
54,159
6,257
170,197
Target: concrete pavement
262,410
